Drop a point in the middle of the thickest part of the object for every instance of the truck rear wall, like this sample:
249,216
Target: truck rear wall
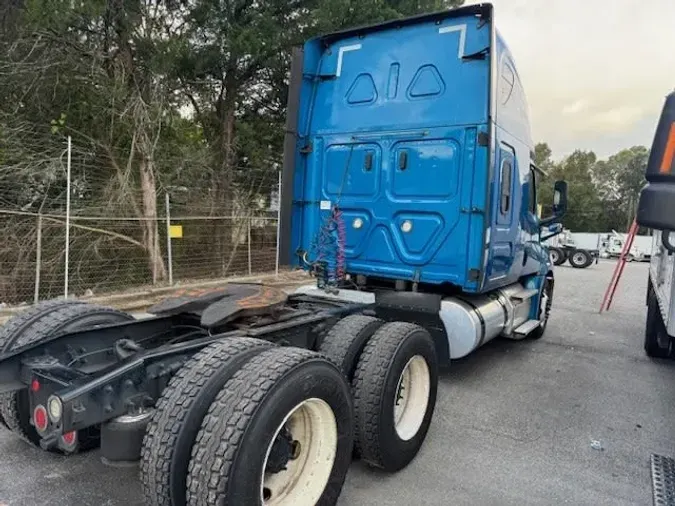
389,126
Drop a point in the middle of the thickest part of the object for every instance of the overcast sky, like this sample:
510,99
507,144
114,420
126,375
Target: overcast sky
595,71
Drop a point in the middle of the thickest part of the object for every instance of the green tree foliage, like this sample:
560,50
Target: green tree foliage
603,194
167,95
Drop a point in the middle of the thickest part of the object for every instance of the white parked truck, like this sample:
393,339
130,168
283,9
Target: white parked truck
657,211
611,246
566,247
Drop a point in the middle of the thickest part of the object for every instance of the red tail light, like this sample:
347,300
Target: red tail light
69,438
40,418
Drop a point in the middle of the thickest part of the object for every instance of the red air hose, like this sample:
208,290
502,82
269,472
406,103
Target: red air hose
341,263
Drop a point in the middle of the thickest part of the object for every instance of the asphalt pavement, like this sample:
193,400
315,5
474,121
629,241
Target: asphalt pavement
514,423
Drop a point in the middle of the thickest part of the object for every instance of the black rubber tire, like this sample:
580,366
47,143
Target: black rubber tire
655,331
17,325
587,259
9,333
228,456
374,388
591,260
37,324
121,442
345,341
179,414
538,333
558,255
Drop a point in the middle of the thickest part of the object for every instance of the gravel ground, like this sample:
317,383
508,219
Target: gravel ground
513,424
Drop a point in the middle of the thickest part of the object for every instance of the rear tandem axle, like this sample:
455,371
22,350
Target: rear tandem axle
222,382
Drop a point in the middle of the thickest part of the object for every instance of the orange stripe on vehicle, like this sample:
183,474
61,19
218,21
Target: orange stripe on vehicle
669,153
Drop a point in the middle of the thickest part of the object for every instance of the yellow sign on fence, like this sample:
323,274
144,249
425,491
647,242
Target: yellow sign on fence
176,231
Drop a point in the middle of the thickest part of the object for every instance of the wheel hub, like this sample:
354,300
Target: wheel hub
301,456
283,450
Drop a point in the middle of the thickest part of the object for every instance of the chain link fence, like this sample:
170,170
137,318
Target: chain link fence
104,255
184,232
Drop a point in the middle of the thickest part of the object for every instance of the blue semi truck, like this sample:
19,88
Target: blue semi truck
409,190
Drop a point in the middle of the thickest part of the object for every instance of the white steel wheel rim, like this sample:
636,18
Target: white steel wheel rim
412,398
313,425
554,256
579,258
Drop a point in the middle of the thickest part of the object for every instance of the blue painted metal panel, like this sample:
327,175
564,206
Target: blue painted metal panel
408,78
514,250
392,119
388,127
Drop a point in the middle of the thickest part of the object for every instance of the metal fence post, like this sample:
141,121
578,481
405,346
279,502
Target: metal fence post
38,260
276,266
67,259
248,240
169,253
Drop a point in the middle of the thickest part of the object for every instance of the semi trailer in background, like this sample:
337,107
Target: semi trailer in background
409,190
579,252
582,249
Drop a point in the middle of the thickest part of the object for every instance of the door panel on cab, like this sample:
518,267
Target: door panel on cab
501,238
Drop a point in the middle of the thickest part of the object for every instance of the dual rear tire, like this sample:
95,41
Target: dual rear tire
394,388
393,371
247,422
558,255
578,258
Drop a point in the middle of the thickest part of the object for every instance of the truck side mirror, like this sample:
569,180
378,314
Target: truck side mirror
657,199
559,203
560,199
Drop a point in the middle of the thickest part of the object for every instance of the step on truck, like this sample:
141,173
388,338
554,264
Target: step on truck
656,210
409,191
